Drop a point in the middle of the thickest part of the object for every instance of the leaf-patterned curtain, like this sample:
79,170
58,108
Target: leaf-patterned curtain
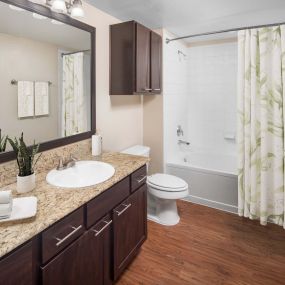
74,118
261,108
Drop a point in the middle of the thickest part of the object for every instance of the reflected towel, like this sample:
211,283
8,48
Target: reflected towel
41,98
25,99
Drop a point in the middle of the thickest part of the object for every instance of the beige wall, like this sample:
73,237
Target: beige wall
153,130
119,118
31,60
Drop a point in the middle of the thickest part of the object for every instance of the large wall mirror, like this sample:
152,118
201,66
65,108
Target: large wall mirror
47,77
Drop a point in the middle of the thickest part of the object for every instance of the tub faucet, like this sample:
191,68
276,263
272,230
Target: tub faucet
183,142
179,131
64,164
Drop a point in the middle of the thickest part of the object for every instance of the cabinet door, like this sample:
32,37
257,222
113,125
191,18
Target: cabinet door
156,63
100,251
71,266
142,59
17,268
130,229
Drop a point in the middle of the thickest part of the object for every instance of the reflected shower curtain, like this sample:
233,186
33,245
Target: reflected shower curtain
261,105
74,118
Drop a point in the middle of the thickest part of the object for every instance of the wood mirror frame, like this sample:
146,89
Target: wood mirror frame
45,11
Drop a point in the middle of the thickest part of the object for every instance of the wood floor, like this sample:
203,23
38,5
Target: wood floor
209,247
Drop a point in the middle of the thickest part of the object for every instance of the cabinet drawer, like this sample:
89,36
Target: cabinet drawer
138,178
62,234
106,201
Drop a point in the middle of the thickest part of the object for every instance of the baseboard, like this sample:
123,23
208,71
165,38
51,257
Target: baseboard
212,204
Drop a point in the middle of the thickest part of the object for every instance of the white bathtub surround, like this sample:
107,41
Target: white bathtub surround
212,178
261,124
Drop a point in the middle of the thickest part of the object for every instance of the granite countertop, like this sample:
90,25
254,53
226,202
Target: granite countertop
55,203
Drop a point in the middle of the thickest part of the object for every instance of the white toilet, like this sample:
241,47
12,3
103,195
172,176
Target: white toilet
163,191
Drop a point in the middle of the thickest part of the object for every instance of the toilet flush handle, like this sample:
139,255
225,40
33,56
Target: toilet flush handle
141,180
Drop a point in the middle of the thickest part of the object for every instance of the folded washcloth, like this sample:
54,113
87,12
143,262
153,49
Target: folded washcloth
6,204
5,197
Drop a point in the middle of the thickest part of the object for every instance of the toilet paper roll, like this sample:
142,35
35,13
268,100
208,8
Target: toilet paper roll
96,145
5,197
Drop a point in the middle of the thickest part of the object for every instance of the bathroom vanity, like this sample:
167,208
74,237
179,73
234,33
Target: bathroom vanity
90,244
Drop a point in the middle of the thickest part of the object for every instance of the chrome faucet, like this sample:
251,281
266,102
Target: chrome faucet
64,164
183,142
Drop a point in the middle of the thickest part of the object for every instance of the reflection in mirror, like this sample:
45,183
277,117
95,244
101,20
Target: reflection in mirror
45,69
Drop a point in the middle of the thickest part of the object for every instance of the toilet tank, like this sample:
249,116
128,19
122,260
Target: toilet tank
138,150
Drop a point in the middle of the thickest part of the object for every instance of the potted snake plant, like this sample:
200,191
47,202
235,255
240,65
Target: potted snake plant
26,160
3,142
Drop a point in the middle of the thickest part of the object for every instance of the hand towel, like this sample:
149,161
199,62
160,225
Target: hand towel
41,98
25,99
6,204
5,197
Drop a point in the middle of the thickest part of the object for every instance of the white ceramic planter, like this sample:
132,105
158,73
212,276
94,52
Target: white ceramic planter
26,183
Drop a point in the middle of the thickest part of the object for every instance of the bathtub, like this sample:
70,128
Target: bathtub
212,178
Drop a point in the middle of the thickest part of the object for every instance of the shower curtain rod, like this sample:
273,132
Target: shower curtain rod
69,53
223,31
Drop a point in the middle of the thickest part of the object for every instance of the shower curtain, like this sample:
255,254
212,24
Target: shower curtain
74,107
261,105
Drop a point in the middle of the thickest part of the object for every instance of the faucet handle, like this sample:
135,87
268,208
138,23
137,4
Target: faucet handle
60,163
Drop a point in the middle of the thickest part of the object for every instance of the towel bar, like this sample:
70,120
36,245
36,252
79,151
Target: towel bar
15,82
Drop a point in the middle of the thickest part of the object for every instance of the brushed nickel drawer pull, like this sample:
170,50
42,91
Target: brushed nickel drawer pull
157,89
142,179
107,224
75,230
147,89
126,207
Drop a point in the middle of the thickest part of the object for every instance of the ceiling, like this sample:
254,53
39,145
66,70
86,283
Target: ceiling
184,17
23,24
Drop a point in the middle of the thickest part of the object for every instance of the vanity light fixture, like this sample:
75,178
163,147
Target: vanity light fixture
73,8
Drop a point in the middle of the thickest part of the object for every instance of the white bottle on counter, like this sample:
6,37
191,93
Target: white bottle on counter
96,145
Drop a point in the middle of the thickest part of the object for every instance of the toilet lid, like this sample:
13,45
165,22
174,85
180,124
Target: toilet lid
167,182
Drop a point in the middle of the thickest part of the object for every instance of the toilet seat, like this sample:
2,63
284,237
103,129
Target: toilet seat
167,183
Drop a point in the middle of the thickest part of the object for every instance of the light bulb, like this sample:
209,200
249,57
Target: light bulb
59,6
77,9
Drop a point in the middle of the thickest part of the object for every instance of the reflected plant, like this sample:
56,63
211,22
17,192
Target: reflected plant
25,155
3,142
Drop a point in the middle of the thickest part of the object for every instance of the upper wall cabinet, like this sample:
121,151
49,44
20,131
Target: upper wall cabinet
136,60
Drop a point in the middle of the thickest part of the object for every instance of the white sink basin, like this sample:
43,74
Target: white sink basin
83,174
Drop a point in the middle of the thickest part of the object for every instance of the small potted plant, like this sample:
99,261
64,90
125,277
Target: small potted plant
3,142
26,179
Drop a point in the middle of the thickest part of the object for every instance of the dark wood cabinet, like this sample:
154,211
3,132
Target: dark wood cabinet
130,229
91,246
135,60
72,266
156,63
19,267
100,251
